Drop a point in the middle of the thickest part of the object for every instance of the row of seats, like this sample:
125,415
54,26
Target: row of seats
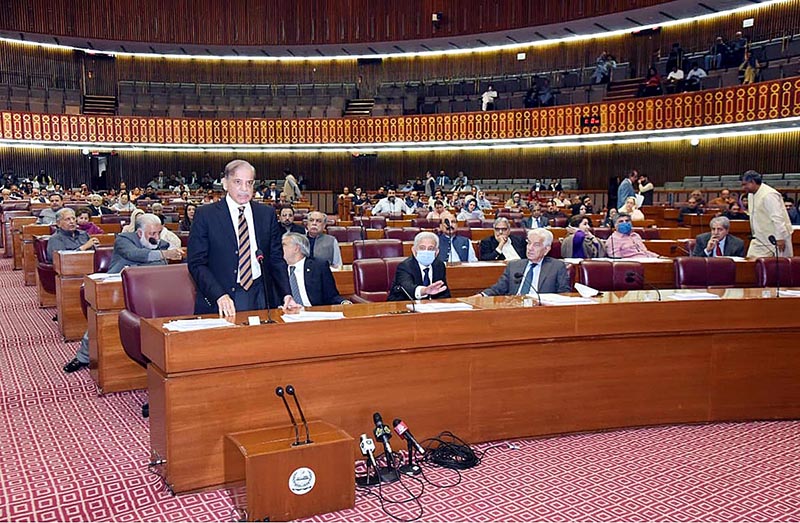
39,100
784,180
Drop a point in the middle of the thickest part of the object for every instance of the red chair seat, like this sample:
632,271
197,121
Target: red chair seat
701,273
372,278
611,276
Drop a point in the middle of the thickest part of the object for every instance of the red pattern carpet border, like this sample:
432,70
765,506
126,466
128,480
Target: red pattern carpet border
68,455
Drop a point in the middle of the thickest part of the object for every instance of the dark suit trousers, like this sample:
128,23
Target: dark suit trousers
250,300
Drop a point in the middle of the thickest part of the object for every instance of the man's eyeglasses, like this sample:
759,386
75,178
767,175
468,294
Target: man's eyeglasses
501,229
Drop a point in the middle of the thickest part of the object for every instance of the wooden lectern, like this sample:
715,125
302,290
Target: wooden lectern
270,479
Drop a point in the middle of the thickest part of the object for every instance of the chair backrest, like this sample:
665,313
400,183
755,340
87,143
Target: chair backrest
114,218
650,233
158,291
372,277
387,248
40,248
766,273
700,273
404,234
555,250
602,232
102,258
466,232
340,233
424,223
611,276
560,221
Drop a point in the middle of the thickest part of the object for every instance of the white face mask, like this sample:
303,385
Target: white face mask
425,258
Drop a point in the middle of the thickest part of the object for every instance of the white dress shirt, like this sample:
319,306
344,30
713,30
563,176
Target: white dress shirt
509,251
233,208
535,282
385,206
299,275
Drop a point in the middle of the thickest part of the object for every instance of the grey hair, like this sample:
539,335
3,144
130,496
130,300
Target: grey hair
64,210
157,205
147,219
543,234
502,219
233,165
619,216
324,216
751,176
426,235
722,221
301,241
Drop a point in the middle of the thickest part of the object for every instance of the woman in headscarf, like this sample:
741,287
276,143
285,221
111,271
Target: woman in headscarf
582,243
629,207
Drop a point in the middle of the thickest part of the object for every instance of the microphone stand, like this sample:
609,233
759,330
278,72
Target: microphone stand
410,468
631,276
267,287
774,243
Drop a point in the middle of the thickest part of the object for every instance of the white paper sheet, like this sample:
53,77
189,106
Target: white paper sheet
103,276
197,324
789,293
558,299
439,307
694,296
312,316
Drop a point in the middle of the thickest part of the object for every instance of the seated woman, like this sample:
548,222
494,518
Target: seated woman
470,211
515,202
188,217
629,208
582,243
83,216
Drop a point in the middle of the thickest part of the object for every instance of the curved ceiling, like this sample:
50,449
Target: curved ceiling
666,13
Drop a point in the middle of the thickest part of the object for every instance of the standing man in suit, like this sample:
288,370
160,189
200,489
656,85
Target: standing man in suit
545,275
310,280
223,243
456,248
502,246
718,242
421,275
322,246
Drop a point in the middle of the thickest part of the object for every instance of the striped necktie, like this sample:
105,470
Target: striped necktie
245,269
295,287
525,288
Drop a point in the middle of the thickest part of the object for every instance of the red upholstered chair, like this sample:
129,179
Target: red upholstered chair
611,276
152,292
424,223
377,249
555,250
700,273
650,233
559,221
521,232
474,223
603,232
371,222
767,275
44,269
487,224
114,218
372,278
102,260
404,234
466,232
340,233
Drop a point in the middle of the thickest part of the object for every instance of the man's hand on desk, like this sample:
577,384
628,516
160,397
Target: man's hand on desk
226,307
173,254
91,244
291,306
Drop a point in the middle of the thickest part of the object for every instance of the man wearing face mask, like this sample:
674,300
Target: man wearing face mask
391,205
421,275
141,247
624,243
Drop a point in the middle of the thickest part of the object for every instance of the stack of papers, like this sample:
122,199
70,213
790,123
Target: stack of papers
558,299
694,296
439,307
311,316
196,324
104,276
788,293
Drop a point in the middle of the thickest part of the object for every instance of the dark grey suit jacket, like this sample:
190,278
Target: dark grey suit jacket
733,246
553,278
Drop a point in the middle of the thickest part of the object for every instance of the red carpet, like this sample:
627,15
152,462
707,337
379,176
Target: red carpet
68,455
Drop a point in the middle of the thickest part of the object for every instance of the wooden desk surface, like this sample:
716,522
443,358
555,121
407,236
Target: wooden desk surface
499,371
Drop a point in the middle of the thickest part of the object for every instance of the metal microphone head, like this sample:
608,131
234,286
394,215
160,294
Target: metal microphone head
153,241
396,422
279,392
259,256
289,390
630,277
772,239
376,418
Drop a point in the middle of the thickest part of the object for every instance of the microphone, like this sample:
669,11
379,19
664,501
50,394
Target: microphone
290,391
153,241
774,242
402,431
518,276
677,247
368,449
264,278
383,433
412,300
279,393
632,276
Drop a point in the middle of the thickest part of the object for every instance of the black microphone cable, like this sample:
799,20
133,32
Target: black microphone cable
387,502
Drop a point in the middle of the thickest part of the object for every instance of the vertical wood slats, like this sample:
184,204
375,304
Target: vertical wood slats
298,22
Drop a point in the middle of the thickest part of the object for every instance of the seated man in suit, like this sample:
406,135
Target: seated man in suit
286,219
323,246
421,275
142,247
96,206
718,242
67,236
454,248
310,280
535,273
502,246
536,220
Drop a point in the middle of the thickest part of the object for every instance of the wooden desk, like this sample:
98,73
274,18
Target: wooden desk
70,267
501,371
111,369
17,223
29,232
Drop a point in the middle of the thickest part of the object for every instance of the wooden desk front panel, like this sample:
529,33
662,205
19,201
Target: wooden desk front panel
475,373
15,243
70,268
28,253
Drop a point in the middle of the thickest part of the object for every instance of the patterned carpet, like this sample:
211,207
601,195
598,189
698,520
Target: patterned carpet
68,455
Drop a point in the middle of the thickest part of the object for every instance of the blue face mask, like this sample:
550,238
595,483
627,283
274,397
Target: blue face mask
425,258
624,227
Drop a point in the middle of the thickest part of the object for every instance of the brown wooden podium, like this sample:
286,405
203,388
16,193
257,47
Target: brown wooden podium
268,477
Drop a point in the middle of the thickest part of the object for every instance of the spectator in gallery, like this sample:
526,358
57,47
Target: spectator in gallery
750,66
694,78
675,80
716,54
488,98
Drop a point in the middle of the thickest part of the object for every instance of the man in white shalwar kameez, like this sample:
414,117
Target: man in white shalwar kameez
768,217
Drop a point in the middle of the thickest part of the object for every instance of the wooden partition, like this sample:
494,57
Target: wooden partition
17,247
71,266
473,372
29,232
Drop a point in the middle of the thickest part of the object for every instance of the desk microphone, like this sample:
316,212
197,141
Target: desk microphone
774,242
676,247
280,394
291,392
402,430
518,276
368,450
632,276
264,278
383,433
412,300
